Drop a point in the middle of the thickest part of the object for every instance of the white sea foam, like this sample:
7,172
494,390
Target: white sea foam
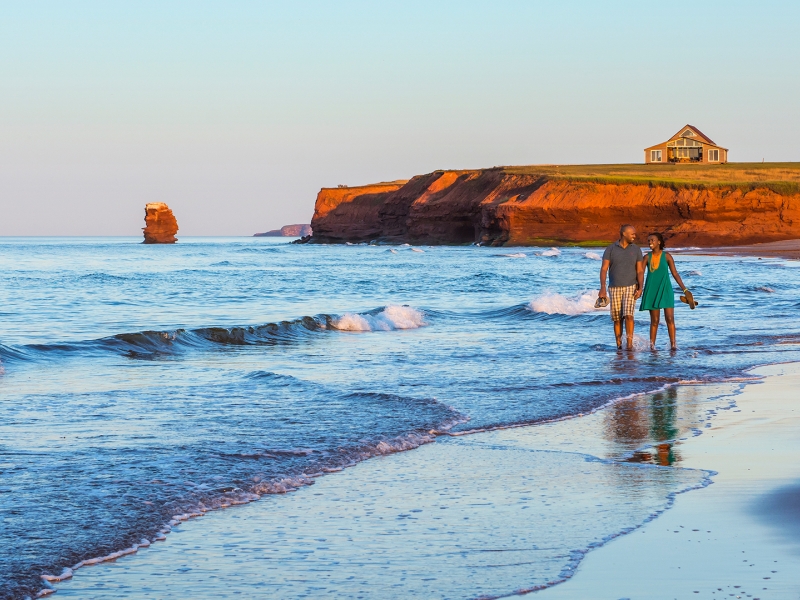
551,252
516,255
556,304
695,273
592,256
417,250
390,318
65,574
392,250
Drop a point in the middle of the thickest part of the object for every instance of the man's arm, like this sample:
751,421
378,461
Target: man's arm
603,276
639,278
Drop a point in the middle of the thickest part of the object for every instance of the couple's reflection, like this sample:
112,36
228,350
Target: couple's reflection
650,421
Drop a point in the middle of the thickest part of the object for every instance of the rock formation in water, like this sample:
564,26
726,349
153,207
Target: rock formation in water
161,225
287,231
497,207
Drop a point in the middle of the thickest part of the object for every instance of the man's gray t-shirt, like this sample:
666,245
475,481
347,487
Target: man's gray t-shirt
622,271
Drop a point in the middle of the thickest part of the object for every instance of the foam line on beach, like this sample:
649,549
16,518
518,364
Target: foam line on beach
239,497
412,441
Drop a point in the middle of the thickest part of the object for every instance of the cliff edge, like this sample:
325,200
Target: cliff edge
693,205
160,224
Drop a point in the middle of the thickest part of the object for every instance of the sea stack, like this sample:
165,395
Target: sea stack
161,224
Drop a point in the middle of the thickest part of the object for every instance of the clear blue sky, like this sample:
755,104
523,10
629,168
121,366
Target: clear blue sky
236,113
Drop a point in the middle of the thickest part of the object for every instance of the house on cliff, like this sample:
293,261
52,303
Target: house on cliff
689,145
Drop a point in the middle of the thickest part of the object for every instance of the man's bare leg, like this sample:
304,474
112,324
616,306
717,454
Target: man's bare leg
629,332
618,333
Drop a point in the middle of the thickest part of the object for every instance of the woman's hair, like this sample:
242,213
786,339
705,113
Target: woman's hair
659,237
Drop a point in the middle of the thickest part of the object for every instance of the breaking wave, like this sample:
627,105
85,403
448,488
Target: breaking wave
153,343
551,252
592,256
556,304
390,318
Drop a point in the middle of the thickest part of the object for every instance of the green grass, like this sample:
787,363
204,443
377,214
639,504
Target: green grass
781,178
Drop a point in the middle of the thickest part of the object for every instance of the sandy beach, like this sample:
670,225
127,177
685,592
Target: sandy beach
465,516
784,249
736,538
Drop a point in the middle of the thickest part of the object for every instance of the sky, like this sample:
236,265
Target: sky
236,113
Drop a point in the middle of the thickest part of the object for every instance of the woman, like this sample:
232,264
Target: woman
658,293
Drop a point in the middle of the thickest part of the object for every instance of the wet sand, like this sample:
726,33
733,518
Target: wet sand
515,510
782,249
739,537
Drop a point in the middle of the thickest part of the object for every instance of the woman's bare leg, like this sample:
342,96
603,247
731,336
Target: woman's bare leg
669,317
654,319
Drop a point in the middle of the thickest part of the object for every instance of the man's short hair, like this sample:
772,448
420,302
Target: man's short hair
624,227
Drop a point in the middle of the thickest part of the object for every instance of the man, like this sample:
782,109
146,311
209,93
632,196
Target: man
624,266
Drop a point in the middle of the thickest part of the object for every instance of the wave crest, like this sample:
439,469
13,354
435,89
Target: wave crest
552,252
555,304
390,318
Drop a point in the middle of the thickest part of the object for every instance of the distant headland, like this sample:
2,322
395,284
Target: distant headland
287,231
693,204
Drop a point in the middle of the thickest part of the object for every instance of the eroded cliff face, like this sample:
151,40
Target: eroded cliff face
161,224
494,207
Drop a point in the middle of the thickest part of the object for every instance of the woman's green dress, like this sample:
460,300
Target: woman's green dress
658,292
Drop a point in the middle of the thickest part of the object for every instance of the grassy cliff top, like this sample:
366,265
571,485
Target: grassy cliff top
783,178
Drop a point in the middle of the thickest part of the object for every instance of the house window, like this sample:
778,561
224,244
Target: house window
688,133
655,155
713,156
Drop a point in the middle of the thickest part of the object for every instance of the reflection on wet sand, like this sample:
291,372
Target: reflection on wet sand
646,429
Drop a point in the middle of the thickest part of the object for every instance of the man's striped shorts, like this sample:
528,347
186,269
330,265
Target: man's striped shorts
623,302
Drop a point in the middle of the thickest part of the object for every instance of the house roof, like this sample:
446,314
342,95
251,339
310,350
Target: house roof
696,130
699,135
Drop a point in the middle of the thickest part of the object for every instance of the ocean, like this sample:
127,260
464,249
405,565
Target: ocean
140,383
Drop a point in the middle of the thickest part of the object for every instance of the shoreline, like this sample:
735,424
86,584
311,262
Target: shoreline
788,249
551,437
736,537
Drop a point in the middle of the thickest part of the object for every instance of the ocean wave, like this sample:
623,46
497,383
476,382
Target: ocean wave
555,304
151,344
592,256
515,255
8,354
551,252
390,318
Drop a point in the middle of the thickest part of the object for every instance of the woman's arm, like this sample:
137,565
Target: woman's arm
674,271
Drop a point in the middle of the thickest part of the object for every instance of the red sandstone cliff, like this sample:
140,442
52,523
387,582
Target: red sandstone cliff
495,207
161,225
